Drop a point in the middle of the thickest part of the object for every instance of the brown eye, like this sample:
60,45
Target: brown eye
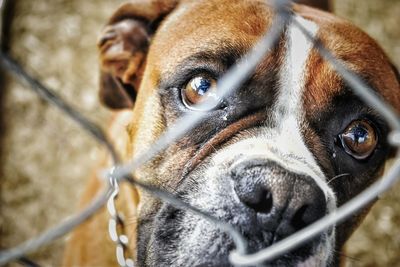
198,90
359,139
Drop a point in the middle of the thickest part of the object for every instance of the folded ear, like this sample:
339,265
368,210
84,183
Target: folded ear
123,46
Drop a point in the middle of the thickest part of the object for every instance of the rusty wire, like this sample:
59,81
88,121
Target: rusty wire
229,82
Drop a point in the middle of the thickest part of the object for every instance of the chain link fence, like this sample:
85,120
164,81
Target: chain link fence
229,82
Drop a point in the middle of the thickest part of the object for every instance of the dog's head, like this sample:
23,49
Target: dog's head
286,148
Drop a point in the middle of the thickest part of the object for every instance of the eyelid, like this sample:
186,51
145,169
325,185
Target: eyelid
184,73
199,72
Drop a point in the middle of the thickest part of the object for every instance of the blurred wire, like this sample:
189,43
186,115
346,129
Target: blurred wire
50,96
27,262
232,80
346,210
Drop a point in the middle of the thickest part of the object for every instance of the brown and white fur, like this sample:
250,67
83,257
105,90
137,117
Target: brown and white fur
276,135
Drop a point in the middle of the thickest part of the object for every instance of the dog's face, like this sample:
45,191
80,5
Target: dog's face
286,148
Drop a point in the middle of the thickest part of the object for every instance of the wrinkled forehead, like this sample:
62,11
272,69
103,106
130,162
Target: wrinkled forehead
228,29
200,27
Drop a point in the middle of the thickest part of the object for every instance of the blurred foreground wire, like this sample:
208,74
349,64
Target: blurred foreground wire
228,83
372,99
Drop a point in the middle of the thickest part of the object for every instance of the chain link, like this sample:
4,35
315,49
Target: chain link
116,225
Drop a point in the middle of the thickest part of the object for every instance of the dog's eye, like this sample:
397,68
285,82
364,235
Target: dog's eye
198,90
359,139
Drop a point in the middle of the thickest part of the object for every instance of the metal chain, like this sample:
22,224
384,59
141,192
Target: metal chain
116,225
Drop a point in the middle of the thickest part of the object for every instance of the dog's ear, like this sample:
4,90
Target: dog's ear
123,46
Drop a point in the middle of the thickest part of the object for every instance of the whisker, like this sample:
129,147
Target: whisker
338,176
342,254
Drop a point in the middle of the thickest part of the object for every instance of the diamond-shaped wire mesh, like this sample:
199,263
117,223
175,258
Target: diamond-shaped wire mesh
31,40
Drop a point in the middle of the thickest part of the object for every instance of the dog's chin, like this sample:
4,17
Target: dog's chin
315,260
173,243
217,254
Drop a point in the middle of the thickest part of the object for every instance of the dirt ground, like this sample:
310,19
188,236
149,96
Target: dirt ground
46,158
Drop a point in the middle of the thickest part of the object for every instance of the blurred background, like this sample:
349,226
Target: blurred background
45,158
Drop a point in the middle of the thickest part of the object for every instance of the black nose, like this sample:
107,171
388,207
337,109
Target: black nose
284,201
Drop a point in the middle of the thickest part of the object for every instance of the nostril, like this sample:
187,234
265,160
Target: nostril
261,202
306,215
299,218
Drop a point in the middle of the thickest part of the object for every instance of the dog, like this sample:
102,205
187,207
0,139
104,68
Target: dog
288,147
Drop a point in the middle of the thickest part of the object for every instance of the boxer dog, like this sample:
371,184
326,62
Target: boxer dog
288,147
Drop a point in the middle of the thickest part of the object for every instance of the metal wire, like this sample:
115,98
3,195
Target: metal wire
55,232
109,194
51,97
371,98
236,76
120,239
68,225
27,262
228,83
362,89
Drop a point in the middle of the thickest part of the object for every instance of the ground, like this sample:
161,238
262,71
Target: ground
46,158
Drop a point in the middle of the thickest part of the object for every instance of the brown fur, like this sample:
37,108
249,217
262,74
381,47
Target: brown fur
339,36
88,246
240,24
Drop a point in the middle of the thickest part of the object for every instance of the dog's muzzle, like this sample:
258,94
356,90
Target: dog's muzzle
261,199
283,202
